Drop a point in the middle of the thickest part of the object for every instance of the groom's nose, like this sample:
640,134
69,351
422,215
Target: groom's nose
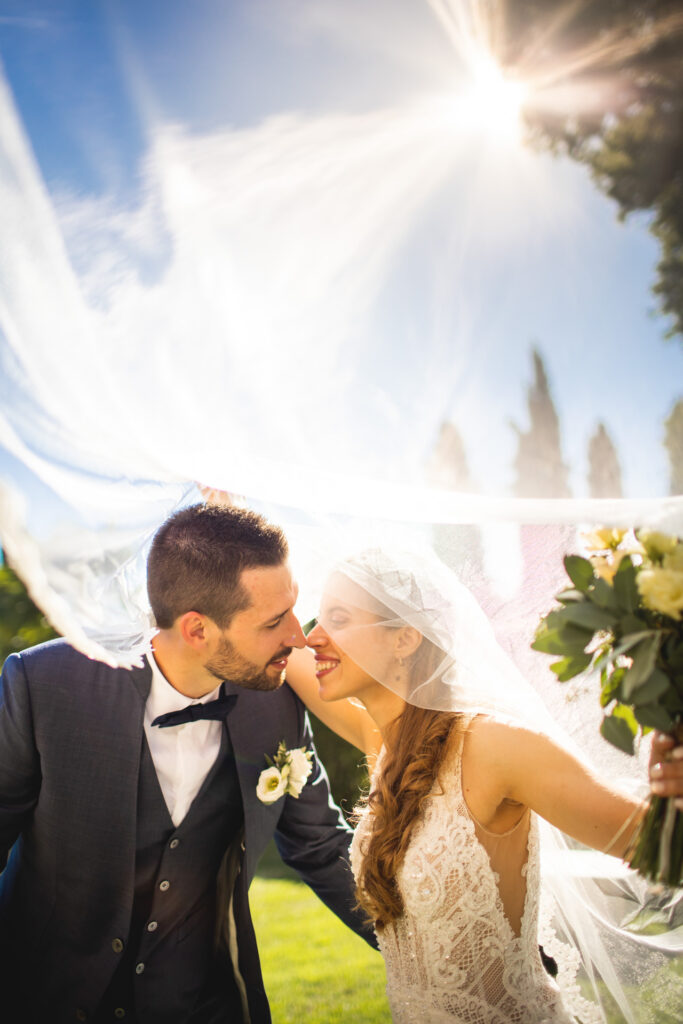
295,634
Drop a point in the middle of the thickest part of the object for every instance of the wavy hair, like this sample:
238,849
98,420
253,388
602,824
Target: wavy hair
416,746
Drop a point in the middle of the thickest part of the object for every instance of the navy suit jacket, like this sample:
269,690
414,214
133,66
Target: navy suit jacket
71,732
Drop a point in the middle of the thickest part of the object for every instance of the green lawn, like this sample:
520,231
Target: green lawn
316,970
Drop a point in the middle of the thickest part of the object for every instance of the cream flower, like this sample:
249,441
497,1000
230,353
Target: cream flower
607,566
674,559
300,769
271,785
657,544
662,591
603,538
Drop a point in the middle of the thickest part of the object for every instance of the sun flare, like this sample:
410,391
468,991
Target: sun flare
492,103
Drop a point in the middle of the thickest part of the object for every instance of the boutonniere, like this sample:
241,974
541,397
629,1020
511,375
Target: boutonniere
286,775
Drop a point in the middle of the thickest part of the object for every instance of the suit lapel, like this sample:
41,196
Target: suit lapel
109,727
250,727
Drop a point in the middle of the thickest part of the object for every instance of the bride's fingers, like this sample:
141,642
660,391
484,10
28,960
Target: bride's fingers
212,496
666,776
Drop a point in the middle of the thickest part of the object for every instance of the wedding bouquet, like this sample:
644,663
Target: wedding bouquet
622,616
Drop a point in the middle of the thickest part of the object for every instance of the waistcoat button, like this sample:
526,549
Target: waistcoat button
152,926
117,946
119,1013
174,843
164,885
139,968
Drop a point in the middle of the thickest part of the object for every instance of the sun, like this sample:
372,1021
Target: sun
492,103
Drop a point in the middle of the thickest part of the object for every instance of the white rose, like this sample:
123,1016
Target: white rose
299,770
271,785
662,591
674,560
657,544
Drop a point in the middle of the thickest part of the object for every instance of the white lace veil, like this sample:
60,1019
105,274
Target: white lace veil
604,915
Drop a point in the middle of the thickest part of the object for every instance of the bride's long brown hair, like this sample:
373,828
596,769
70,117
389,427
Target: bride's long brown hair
416,745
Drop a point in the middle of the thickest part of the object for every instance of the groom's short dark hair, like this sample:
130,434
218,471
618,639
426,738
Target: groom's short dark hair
197,558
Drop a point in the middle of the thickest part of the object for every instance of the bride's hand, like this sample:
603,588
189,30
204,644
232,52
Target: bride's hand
227,499
666,768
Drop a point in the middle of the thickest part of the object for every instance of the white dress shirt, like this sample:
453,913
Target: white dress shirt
182,754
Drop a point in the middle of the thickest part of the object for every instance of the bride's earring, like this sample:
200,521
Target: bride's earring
399,673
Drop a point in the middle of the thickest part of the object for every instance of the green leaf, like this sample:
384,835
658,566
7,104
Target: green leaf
624,585
567,641
611,687
556,619
569,596
567,668
589,616
618,731
655,716
631,624
651,689
631,640
580,571
644,657
602,594
309,627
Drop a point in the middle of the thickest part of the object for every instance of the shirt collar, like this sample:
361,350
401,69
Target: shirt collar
164,698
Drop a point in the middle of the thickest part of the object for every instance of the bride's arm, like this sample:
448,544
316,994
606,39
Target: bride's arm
531,769
348,720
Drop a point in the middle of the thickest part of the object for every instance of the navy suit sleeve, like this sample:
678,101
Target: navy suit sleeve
19,761
313,838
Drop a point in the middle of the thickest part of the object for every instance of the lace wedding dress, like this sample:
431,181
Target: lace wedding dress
453,957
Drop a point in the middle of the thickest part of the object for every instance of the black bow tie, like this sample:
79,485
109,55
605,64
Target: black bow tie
213,710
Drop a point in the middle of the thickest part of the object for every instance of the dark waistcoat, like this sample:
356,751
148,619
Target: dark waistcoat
169,972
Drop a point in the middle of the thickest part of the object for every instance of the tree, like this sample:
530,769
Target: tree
21,623
673,442
460,547
541,472
607,89
448,466
604,472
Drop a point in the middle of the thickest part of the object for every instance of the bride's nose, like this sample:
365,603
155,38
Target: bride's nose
317,637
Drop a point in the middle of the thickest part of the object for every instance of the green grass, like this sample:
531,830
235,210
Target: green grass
316,970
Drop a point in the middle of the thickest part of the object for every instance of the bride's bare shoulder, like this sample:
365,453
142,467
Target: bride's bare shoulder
494,743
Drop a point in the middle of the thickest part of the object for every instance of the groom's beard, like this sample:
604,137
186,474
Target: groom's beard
228,664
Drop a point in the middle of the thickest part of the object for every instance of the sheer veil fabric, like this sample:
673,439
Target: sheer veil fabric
265,317
592,909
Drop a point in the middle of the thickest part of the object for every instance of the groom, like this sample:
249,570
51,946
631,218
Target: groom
134,827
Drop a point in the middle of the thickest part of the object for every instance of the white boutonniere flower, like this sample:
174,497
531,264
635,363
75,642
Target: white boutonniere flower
286,775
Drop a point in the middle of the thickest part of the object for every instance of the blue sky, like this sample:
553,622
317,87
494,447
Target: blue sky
507,253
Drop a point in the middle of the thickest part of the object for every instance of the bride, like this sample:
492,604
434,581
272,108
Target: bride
446,853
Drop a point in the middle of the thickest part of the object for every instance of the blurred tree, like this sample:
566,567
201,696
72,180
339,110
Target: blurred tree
673,442
21,623
460,547
447,466
541,472
604,472
607,88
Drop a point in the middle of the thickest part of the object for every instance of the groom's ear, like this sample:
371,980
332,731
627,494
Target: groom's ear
407,641
194,629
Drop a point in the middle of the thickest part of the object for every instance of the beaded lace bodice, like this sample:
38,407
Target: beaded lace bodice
453,956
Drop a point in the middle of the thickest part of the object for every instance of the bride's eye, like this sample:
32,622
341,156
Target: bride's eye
337,622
